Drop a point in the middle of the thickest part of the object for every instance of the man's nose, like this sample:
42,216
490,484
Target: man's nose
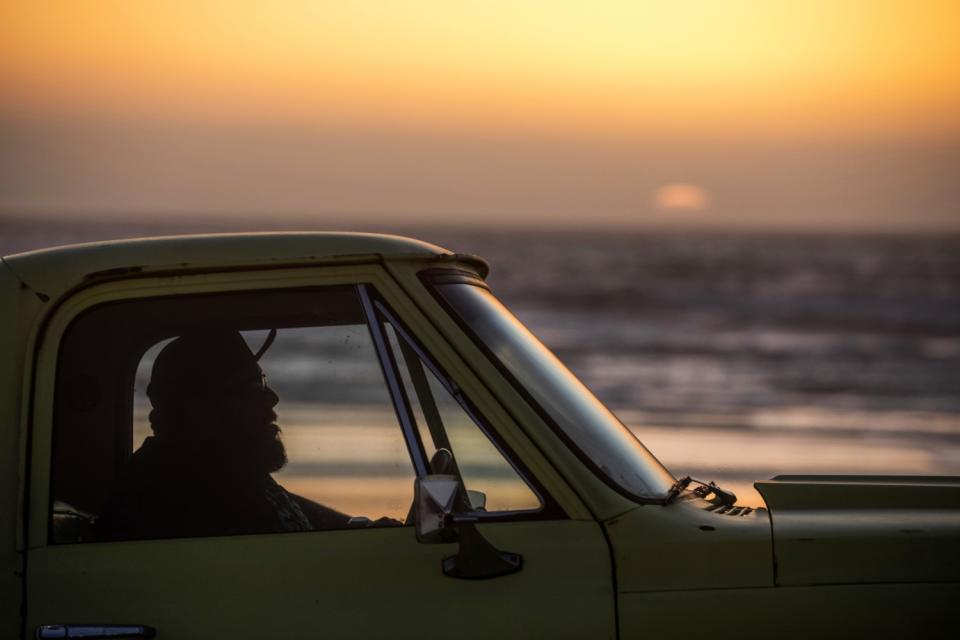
271,396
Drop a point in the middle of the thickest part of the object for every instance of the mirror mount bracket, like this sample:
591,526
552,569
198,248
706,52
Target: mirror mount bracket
439,501
477,559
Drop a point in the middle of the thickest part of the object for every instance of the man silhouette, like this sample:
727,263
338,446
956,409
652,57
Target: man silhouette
206,470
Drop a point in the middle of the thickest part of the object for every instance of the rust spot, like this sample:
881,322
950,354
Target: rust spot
110,273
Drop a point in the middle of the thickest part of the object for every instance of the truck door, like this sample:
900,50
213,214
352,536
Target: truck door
235,456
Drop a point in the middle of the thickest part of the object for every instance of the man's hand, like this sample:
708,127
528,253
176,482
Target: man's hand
385,522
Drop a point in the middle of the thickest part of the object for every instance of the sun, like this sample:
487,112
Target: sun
681,196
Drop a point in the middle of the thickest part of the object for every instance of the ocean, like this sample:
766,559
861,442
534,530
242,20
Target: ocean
733,357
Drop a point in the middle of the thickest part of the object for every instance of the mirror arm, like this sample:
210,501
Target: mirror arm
436,499
477,559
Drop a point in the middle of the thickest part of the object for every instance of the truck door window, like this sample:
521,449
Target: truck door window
224,414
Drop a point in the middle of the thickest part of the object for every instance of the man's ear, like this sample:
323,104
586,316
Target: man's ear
228,415
200,419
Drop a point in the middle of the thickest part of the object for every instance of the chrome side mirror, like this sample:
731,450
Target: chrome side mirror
477,499
435,497
437,500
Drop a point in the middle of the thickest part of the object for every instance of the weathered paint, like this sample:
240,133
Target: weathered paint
670,548
228,587
855,529
55,271
916,611
19,310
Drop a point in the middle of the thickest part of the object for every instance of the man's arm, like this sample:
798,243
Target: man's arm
321,516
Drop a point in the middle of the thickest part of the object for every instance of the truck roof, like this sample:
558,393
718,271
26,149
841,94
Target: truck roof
52,271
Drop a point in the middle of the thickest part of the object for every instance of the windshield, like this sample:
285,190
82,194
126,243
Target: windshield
598,434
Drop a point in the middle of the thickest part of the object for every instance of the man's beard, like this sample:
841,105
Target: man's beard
258,450
235,443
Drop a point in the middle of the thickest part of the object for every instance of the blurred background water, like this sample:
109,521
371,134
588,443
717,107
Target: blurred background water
733,357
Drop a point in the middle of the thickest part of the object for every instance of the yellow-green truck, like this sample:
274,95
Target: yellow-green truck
425,468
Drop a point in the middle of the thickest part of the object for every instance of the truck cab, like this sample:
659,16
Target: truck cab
428,467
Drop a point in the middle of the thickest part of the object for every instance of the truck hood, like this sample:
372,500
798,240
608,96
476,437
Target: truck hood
857,529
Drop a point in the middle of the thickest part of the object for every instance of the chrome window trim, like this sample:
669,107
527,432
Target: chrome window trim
546,504
391,374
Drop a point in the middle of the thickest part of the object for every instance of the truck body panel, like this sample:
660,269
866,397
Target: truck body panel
873,529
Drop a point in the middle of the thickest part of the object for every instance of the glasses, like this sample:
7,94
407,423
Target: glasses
250,386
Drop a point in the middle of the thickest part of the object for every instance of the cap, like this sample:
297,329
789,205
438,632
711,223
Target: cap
202,362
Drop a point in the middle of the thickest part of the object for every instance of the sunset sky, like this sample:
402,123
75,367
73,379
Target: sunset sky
841,115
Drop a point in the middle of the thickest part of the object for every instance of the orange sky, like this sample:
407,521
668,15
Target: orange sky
620,66
797,73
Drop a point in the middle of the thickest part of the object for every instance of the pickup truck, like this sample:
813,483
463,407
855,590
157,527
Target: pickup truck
429,468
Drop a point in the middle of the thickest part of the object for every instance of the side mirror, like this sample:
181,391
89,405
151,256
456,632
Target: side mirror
477,499
437,499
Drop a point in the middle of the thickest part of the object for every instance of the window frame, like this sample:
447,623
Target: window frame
548,508
39,420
